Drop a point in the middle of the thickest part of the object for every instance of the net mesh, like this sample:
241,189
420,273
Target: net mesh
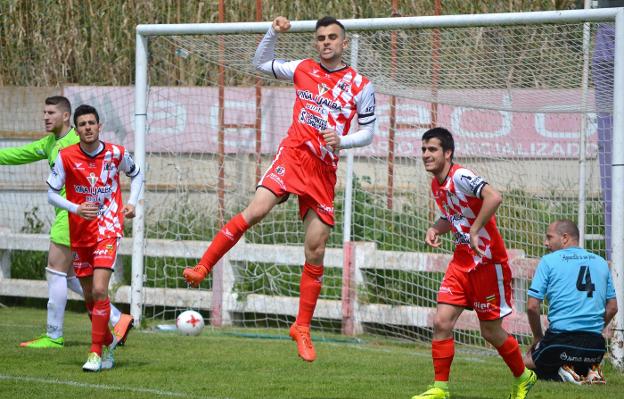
512,96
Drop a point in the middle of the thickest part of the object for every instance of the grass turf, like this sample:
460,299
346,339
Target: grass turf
223,364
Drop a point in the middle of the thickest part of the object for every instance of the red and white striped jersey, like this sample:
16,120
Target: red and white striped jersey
324,100
459,200
93,179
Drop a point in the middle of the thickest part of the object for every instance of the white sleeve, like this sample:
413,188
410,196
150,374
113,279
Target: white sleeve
365,105
131,169
265,62
55,199
56,178
468,183
362,137
128,166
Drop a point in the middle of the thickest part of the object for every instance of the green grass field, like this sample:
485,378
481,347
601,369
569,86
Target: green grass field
223,364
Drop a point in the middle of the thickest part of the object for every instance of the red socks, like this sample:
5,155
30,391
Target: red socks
510,352
224,241
89,306
100,334
309,290
442,352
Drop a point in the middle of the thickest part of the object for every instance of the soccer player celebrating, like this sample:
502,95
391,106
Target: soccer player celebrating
478,275
60,276
90,171
329,94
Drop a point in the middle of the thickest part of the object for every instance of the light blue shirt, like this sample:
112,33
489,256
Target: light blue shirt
577,285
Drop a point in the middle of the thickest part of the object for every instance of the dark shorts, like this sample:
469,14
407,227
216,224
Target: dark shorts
580,349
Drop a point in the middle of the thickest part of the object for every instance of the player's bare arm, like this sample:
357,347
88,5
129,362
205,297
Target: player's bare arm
535,322
432,236
611,309
491,201
281,24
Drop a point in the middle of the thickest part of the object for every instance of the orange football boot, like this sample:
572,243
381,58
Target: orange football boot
123,327
301,335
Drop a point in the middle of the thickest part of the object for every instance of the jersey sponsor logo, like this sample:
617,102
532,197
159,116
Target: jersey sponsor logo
580,359
329,210
316,72
78,166
445,290
455,217
80,189
326,102
80,265
462,238
100,252
577,257
278,180
481,307
312,120
316,108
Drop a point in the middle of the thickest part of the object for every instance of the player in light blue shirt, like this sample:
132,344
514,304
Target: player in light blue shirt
581,302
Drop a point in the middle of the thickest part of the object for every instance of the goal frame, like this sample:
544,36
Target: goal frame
616,15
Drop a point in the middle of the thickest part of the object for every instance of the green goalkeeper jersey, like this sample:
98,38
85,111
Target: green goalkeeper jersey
48,148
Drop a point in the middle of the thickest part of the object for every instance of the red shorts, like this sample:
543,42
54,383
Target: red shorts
298,171
486,289
102,255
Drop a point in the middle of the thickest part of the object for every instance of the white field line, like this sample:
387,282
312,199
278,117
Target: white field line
107,387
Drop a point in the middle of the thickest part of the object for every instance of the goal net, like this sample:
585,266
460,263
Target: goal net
524,103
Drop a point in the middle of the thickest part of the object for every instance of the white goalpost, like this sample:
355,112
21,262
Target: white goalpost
516,89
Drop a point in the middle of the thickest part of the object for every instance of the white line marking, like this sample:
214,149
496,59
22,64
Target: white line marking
101,386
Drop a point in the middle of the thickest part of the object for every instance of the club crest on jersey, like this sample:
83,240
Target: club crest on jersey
92,178
280,170
322,89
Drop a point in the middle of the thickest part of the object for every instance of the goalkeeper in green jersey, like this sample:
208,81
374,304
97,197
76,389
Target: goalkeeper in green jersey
59,273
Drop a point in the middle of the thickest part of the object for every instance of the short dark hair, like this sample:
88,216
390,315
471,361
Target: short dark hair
327,20
60,101
566,226
85,109
445,137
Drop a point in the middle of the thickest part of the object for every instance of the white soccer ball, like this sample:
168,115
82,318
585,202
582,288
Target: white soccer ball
190,322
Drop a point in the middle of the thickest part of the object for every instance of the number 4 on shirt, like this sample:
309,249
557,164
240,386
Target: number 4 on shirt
584,283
